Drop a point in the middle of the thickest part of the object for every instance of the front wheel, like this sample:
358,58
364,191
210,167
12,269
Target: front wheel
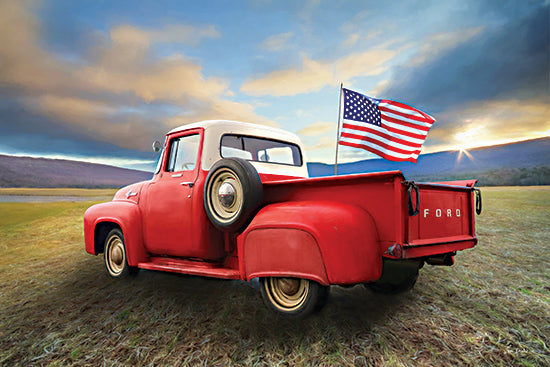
116,261
293,296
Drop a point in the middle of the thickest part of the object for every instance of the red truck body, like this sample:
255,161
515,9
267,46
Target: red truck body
330,230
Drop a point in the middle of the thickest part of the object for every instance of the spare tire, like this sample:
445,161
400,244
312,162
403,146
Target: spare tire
232,193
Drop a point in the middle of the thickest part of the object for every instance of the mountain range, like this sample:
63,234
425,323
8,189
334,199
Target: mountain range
43,172
521,163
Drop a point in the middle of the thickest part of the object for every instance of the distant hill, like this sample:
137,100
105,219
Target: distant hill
42,172
522,163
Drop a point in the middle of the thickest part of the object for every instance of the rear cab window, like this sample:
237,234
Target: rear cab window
260,150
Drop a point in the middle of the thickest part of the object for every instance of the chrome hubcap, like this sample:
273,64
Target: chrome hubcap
115,255
287,294
226,195
289,286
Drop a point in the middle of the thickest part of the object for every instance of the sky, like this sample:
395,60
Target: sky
101,80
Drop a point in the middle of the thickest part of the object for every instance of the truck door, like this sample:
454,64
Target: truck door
168,219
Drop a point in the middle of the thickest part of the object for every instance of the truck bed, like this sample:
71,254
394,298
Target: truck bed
441,221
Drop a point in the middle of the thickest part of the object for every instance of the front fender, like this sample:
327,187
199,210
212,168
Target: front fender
329,242
127,216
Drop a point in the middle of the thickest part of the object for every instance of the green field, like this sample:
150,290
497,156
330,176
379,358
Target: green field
27,191
57,306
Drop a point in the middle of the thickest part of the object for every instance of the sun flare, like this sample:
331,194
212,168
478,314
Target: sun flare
469,138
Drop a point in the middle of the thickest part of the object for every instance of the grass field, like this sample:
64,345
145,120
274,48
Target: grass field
57,306
26,191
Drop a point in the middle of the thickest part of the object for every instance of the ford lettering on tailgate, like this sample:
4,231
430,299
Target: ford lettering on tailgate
444,216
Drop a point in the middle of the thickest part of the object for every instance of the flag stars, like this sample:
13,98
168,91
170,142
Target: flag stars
360,108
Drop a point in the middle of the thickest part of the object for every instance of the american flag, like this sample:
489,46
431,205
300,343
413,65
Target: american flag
390,129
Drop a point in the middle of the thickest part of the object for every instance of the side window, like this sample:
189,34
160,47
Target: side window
183,153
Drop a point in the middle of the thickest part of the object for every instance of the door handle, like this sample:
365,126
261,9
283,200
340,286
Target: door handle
187,183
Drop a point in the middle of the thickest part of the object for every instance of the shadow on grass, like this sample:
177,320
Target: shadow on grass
234,309
76,311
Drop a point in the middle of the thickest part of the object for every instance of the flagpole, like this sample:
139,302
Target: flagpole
338,130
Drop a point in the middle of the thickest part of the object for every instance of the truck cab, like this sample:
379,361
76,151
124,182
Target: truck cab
233,200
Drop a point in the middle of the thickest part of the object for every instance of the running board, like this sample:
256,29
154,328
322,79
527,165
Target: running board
190,267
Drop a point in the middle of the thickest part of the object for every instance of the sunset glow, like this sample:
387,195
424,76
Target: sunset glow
100,81
469,138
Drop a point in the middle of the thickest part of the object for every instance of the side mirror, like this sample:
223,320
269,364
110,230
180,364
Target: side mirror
157,146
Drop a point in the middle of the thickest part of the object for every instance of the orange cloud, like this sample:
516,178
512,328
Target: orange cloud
228,109
318,128
314,75
98,120
492,122
94,97
23,63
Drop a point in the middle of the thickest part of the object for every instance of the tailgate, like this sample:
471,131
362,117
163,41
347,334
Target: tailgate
445,219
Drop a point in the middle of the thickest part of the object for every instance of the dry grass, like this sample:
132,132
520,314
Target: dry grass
28,191
59,308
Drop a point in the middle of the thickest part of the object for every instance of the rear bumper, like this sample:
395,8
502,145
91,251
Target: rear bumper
421,248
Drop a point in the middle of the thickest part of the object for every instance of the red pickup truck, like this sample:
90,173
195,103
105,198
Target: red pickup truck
233,200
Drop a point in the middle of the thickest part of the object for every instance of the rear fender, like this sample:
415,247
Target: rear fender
329,242
125,215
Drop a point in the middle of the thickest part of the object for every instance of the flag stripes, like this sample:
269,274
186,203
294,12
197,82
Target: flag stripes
382,133
380,142
384,153
390,129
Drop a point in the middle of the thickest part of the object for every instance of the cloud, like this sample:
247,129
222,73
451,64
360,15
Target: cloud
171,33
351,40
318,128
439,43
379,88
491,122
117,93
313,75
124,67
509,60
182,33
23,63
431,48
356,23
276,42
228,109
309,6
355,30
324,142
98,120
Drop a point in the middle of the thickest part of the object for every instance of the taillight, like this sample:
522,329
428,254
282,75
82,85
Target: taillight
395,251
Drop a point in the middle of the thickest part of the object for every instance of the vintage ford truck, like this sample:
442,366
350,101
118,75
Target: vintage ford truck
233,200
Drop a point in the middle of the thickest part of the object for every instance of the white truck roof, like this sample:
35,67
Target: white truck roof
215,129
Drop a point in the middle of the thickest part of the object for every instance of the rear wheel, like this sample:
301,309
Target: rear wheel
116,261
397,276
293,297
